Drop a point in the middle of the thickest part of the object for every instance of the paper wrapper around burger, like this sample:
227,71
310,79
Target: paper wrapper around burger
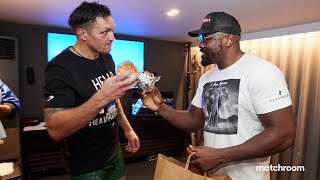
146,81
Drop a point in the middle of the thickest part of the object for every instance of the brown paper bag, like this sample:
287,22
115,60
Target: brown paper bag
168,168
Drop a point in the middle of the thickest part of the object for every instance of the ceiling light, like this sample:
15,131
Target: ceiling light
173,12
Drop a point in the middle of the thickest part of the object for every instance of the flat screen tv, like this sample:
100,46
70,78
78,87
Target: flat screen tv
138,108
121,50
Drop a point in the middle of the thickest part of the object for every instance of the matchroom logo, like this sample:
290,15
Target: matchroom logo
280,168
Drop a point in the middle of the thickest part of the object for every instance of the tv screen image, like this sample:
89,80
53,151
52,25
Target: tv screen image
139,109
121,50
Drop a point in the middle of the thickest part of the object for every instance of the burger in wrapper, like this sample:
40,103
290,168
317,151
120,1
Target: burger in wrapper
146,81
127,66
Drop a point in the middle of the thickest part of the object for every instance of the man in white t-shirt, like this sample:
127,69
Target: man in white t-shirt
243,103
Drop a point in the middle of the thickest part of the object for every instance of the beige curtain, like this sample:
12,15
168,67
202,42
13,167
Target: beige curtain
298,56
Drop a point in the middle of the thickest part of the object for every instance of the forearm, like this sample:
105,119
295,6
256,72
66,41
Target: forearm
266,143
5,110
183,120
122,118
124,124
62,123
279,134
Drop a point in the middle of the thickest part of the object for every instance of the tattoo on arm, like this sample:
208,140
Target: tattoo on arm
49,111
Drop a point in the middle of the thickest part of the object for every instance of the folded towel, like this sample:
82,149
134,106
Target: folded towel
40,126
6,168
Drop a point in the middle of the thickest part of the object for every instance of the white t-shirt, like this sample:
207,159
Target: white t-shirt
230,99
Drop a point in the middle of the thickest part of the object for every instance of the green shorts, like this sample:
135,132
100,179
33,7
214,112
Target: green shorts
112,171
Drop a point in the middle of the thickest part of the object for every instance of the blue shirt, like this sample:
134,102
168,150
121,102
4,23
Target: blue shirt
8,97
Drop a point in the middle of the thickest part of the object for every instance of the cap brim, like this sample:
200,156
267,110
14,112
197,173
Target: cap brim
200,31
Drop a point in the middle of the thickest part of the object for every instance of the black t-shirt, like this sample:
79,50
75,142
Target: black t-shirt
70,81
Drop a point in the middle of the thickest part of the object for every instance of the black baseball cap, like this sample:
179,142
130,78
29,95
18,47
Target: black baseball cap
218,22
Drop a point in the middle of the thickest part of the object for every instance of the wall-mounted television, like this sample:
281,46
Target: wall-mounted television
121,50
138,108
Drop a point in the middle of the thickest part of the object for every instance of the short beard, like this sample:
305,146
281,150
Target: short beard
211,57
206,58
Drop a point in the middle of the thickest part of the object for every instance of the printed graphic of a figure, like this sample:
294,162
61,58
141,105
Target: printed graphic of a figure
215,98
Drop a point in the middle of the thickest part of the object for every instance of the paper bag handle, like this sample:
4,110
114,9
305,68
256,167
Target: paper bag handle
188,163
188,160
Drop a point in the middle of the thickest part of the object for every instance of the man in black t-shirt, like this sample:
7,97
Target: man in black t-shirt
82,97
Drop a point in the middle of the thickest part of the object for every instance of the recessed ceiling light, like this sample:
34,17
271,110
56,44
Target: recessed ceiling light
172,12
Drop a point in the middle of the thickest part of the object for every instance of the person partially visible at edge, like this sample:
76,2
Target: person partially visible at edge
243,103
9,105
82,97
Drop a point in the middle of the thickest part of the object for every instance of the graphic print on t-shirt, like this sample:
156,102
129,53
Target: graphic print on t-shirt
109,112
220,106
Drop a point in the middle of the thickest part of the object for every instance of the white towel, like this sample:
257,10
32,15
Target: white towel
6,168
40,126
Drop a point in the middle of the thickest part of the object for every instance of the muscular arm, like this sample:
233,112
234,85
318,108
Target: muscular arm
190,121
62,123
122,118
133,140
279,134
